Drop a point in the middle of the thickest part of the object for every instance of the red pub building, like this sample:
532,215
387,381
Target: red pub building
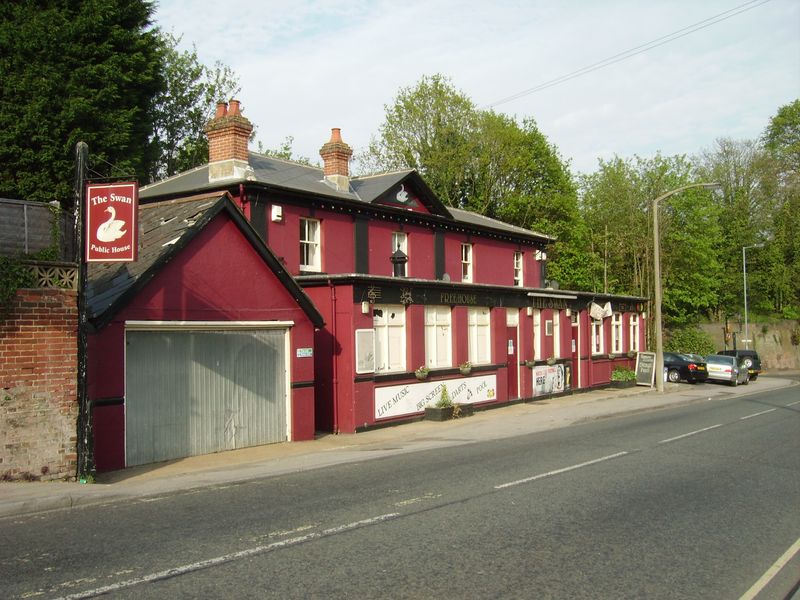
382,295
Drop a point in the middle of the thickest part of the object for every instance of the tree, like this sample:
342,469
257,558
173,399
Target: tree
185,105
484,162
75,71
782,136
746,210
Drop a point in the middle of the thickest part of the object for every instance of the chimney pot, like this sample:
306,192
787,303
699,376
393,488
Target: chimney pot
222,109
234,108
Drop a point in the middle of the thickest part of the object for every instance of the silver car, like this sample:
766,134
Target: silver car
727,369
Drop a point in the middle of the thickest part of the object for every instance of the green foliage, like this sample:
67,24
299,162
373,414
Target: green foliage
75,71
689,339
184,106
782,136
13,276
444,400
623,374
482,161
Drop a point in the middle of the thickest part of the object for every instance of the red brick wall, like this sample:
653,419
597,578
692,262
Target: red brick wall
38,385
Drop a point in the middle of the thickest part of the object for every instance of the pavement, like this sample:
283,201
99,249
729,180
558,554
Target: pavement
225,468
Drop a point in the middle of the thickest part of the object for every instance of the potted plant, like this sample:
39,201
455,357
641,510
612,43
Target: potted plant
465,368
445,409
623,377
530,363
551,361
631,354
422,372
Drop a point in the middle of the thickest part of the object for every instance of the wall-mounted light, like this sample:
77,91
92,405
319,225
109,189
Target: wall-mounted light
365,308
529,311
276,213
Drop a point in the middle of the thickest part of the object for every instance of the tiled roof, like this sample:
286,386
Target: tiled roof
287,175
165,228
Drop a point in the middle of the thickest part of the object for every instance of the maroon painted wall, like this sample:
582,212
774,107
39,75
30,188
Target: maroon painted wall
217,277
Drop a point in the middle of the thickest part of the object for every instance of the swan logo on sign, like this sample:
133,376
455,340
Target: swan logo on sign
111,222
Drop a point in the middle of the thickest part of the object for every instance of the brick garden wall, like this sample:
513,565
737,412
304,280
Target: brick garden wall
38,386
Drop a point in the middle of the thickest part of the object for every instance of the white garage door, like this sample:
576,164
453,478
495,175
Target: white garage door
196,392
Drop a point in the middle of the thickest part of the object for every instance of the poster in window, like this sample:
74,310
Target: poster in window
365,350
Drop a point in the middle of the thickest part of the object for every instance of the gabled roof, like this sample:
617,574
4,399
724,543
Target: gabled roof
290,176
165,229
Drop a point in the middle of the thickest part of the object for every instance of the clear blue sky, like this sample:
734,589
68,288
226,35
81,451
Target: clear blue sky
307,66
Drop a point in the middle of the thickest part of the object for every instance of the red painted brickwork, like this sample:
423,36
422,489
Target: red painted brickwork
38,386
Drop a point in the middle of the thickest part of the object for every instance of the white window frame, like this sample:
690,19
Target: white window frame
633,332
557,333
616,333
466,262
480,335
537,334
400,242
438,337
310,245
518,274
598,341
389,322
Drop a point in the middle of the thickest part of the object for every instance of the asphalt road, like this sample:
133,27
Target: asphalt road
696,501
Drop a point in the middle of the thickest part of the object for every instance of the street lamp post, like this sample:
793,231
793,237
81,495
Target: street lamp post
744,274
657,277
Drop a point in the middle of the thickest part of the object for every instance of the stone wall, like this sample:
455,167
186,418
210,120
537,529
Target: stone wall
38,386
772,341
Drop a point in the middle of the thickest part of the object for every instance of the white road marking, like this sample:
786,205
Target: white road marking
559,471
428,496
793,403
758,414
771,572
680,437
212,562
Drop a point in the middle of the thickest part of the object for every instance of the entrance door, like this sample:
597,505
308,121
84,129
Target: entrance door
512,339
197,392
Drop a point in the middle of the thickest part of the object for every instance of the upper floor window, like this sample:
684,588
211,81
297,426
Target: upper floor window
518,269
389,322
438,338
466,262
310,255
616,333
479,332
400,242
633,332
598,346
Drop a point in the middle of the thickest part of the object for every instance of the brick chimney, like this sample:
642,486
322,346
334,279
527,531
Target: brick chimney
336,158
228,135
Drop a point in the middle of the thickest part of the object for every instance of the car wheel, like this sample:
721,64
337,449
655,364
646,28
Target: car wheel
753,377
673,376
746,381
734,383
748,362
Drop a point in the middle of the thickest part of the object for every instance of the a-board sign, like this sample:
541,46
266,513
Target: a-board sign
645,368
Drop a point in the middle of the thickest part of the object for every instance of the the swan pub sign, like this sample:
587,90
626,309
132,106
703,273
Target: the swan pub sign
112,226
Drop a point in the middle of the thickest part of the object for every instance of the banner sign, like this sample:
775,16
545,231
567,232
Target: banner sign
399,400
111,221
549,380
